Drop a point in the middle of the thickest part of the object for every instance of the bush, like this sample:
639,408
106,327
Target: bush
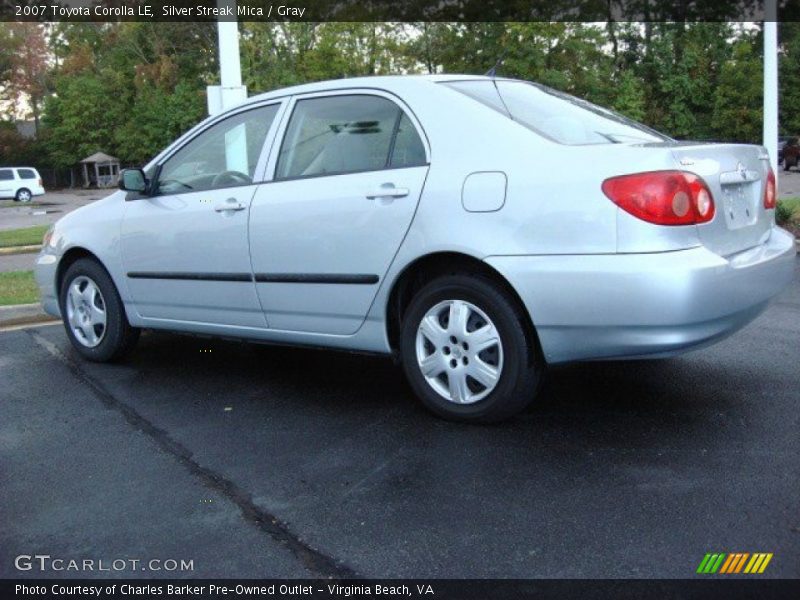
783,214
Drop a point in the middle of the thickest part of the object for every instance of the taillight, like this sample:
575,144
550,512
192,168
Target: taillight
770,191
40,182
662,197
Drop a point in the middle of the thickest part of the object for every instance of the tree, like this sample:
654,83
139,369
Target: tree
28,78
789,78
630,97
738,111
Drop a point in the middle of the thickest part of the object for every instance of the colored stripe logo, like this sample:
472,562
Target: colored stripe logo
735,562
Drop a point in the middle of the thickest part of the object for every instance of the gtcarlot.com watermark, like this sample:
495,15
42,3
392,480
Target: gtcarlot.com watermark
47,563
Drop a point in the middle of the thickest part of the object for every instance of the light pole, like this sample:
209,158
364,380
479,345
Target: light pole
770,128
230,92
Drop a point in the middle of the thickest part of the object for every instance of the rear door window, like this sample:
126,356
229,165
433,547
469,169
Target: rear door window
6,174
408,149
334,135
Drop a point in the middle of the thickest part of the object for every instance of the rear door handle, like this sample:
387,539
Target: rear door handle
230,205
388,190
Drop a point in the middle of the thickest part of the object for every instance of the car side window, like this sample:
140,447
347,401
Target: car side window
342,134
225,155
26,174
6,174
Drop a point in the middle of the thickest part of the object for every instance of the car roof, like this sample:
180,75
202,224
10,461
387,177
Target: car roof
388,82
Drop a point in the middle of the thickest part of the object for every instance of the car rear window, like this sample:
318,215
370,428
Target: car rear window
555,115
27,174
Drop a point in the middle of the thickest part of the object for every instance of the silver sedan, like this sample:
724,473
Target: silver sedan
477,229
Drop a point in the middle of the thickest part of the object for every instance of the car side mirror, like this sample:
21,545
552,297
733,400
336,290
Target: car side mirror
133,180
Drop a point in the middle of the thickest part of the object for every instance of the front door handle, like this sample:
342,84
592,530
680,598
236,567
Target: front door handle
230,205
388,190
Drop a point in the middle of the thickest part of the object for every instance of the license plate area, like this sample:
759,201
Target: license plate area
738,205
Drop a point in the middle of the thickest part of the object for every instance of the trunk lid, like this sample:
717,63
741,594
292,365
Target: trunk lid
736,174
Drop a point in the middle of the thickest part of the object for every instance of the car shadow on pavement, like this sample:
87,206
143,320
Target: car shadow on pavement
615,404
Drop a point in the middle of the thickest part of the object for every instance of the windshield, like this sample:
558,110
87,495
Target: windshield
555,115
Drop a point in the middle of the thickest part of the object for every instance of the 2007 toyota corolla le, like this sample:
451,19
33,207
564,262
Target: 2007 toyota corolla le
476,228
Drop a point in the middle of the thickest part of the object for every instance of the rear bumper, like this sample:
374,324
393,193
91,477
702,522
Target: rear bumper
646,305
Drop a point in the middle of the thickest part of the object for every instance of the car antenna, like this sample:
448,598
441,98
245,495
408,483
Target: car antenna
493,71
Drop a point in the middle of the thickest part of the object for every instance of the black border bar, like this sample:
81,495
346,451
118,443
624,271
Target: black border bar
731,588
397,10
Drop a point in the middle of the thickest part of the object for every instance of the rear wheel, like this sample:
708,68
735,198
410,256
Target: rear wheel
465,350
23,195
93,314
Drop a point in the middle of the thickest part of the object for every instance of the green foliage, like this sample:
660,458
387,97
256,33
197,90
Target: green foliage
738,106
131,96
789,78
130,88
82,117
782,213
157,118
17,150
18,287
630,98
787,211
27,236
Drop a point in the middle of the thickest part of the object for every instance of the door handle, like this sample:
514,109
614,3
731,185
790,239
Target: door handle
230,205
388,190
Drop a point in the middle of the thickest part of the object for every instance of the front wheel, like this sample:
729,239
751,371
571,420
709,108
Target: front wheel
466,351
93,313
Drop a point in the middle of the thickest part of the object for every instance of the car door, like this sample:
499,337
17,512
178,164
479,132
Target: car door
184,248
347,178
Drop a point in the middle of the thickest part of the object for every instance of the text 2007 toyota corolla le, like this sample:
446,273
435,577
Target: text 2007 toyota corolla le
476,228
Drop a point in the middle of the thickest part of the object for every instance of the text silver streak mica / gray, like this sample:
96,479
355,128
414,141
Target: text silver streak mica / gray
306,245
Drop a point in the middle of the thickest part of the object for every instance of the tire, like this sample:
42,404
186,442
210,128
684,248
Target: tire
514,359
23,195
81,307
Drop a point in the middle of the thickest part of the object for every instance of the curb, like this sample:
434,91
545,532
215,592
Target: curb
20,250
23,314
34,320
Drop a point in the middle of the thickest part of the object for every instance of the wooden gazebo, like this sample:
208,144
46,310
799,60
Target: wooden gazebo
101,170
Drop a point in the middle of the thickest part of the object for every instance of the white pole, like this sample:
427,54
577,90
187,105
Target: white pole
230,92
771,81
230,69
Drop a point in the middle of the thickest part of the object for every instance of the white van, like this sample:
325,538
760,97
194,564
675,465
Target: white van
20,183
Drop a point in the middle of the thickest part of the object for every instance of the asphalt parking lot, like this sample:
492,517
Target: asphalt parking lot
47,209
256,461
